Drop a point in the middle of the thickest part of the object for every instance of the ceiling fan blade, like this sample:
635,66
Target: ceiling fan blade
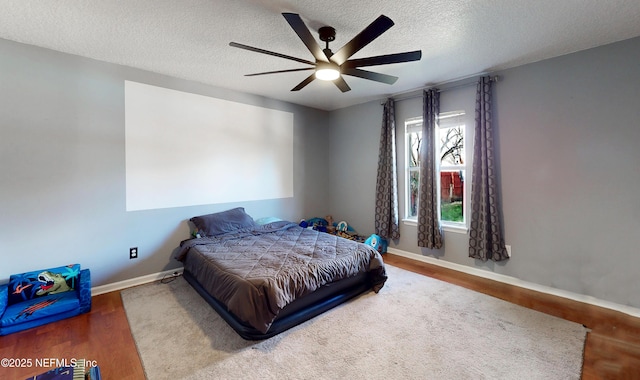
384,78
305,82
258,50
370,33
278,71
341,84
303,32
384,59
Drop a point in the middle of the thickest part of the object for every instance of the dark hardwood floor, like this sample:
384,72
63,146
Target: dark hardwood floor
612,348
102,335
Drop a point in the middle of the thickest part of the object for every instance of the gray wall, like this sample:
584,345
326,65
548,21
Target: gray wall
568,132
570,138
353,163
62,167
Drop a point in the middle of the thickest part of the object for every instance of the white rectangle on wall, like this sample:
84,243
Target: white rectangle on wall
185,149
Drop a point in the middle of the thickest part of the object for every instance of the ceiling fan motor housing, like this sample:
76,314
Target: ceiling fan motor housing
327,34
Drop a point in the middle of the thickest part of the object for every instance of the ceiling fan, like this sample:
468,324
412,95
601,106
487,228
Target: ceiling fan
332,66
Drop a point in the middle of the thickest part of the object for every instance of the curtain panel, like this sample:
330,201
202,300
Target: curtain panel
386,215
485,232
429,234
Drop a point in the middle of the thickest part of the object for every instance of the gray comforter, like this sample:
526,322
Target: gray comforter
257,271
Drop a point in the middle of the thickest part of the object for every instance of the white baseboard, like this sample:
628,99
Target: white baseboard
133,282
635,312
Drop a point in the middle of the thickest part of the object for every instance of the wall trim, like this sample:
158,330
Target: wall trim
112,287
632,311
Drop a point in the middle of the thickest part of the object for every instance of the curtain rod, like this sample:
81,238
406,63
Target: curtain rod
466,83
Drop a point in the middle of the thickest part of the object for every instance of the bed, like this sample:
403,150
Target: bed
266,278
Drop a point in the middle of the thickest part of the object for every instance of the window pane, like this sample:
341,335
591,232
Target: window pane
415,138
452,196
452,146
414,180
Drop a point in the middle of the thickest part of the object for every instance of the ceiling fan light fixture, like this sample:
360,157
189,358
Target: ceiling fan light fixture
327,71
327,74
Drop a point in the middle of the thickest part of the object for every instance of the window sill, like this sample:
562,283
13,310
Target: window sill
455,229
445,227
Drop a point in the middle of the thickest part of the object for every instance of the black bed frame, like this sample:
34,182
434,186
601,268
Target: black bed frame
301,310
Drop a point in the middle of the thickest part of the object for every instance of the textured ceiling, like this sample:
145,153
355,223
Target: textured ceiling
189,39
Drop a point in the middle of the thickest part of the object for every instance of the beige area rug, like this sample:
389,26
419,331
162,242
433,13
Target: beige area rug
415,328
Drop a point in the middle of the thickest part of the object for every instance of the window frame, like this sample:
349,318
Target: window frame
411,125
458,117
447,120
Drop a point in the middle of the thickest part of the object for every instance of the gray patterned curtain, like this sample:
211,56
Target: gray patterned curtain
386,223
485,233
429,234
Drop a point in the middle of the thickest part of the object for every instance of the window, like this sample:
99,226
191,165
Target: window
451,165
413,133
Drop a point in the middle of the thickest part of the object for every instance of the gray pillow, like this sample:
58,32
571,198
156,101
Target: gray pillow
222,222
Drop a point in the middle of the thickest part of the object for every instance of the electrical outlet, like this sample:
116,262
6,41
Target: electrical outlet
133,253
508,247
